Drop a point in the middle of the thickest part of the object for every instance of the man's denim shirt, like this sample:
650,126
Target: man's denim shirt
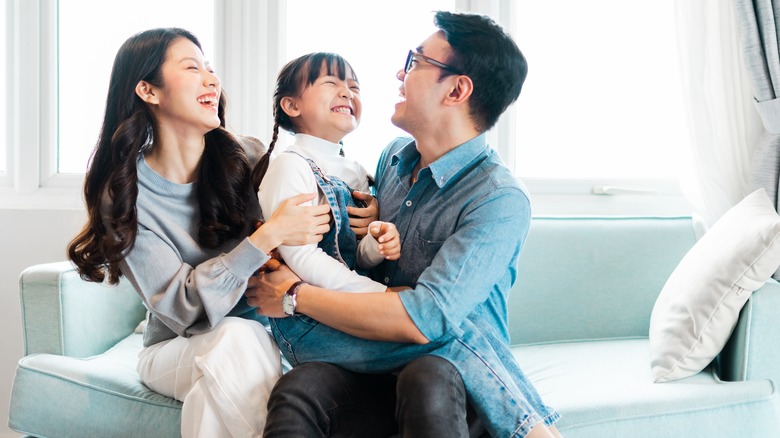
462,225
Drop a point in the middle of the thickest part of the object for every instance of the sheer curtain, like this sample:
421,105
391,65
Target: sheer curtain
723,118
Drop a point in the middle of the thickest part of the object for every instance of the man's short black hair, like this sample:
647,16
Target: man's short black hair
483,51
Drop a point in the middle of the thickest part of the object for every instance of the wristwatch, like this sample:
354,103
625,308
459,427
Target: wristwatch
288,300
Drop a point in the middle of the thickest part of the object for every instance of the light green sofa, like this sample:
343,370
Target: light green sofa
579,317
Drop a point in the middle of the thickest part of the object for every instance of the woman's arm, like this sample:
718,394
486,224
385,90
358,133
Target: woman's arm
189,288
189,298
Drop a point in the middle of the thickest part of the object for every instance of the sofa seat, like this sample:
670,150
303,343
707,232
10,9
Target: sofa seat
53,392
604,389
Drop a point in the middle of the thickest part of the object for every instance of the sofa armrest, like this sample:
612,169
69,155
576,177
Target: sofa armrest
65,315
753,351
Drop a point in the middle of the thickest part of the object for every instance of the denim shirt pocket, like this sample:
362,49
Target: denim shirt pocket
424,247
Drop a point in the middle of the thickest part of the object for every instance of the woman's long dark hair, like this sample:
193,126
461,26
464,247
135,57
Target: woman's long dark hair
293,79
111,182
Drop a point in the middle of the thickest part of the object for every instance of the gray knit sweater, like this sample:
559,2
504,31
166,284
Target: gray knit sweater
187,288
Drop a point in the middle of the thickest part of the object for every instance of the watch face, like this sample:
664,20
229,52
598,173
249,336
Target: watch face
288,304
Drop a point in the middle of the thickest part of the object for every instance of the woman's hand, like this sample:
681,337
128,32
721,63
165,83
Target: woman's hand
361,218
293,224
266,290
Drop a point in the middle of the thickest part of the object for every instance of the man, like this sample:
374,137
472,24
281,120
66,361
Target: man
462,218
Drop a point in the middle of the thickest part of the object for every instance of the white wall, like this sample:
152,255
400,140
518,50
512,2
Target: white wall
27,237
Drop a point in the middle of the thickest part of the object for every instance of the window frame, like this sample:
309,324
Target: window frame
241,27
32,180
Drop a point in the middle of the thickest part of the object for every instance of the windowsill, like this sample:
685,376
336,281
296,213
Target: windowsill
47,198
617,197
544,201
548,204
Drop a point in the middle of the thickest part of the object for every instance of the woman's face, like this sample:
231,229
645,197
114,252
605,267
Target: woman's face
330,108
189,96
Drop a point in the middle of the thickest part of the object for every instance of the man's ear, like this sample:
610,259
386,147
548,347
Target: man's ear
460,91
290,106
147,92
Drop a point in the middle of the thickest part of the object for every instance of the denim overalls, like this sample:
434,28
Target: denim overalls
340,242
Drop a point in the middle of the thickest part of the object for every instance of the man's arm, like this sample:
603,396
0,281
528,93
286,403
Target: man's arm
378,316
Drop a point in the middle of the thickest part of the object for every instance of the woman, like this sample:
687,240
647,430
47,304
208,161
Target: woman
170,206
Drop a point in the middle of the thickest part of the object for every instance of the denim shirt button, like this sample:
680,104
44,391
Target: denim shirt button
408,203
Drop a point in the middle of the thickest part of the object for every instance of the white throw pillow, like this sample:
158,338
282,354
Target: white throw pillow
699,305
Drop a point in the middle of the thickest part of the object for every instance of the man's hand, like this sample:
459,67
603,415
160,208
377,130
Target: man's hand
389,240
361,218
266,289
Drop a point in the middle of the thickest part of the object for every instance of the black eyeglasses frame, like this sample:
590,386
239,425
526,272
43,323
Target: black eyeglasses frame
410,57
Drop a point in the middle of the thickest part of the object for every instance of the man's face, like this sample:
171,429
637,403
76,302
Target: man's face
421,91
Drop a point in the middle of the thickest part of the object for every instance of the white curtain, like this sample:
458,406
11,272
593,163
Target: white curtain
721,113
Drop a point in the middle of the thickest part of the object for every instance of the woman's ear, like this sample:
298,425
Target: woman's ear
290,107
147,92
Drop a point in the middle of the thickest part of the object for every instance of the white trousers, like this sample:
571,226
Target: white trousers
223,377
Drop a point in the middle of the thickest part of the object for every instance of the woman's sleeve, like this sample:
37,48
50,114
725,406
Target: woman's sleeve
289,175
189,299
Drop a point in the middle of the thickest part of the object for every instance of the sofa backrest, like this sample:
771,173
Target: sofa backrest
593,278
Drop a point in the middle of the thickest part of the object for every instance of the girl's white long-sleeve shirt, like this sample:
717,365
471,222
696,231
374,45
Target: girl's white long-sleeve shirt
289,175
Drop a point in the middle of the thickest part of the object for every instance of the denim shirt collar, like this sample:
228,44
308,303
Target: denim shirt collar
447,166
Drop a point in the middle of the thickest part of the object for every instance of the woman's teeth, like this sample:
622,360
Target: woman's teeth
208,100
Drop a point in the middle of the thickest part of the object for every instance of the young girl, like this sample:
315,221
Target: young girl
170,207
317,98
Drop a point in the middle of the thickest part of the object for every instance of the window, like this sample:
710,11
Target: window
86,55
375,45
602,98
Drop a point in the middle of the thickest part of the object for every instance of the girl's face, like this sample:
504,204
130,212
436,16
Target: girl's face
329,108
189,96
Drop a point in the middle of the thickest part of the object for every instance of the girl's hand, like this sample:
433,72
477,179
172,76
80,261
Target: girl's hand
388,237
293,224
360,218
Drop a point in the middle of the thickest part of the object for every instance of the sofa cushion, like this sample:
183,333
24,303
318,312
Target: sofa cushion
699,305
51,395
604,388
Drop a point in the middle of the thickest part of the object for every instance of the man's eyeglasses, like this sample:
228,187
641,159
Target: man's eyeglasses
414,56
